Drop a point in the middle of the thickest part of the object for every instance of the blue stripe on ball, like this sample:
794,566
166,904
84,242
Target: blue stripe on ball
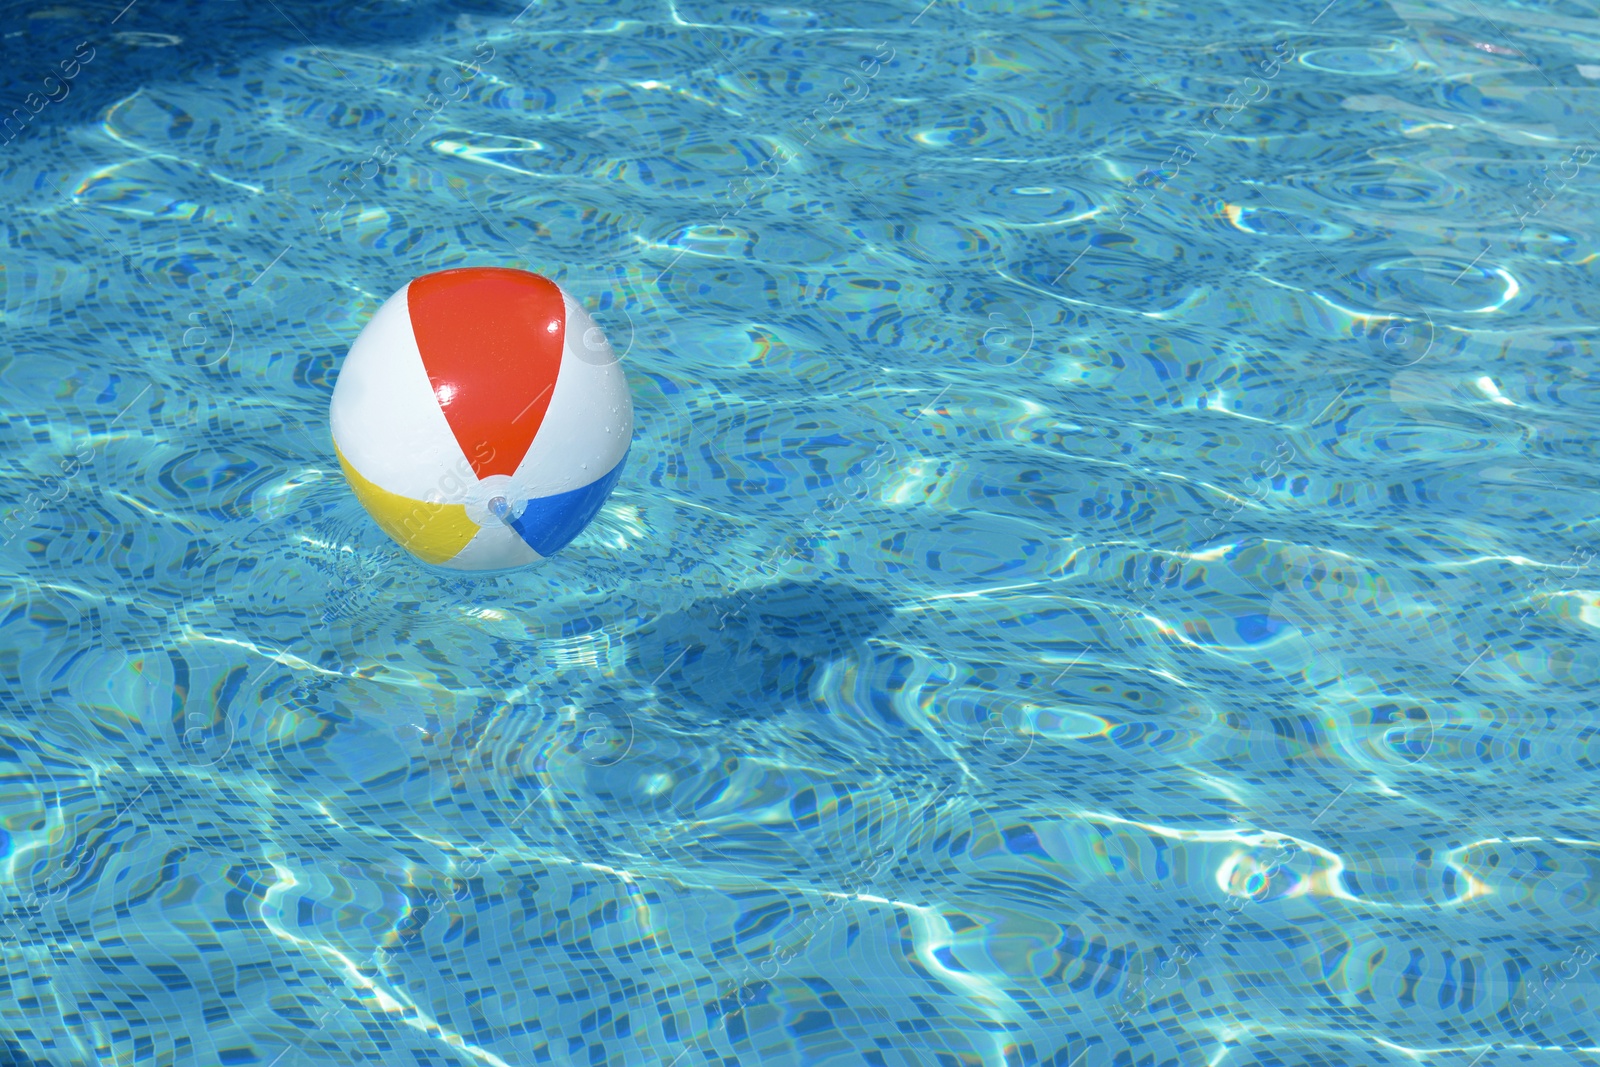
549,523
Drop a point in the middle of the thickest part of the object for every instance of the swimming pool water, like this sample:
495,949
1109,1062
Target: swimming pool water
1104,574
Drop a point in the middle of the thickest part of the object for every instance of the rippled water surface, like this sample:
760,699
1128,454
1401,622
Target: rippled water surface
1104,575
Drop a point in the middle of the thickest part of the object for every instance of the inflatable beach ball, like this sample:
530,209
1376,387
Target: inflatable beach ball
481,418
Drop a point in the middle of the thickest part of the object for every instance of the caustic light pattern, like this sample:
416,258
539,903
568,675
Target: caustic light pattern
482,418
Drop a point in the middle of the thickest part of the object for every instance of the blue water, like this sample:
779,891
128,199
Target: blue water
1104,574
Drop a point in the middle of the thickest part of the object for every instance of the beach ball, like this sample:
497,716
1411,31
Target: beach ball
481,418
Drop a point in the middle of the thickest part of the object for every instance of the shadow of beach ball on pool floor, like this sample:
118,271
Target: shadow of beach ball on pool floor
754,654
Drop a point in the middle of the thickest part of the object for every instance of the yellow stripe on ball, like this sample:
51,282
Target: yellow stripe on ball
433,533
